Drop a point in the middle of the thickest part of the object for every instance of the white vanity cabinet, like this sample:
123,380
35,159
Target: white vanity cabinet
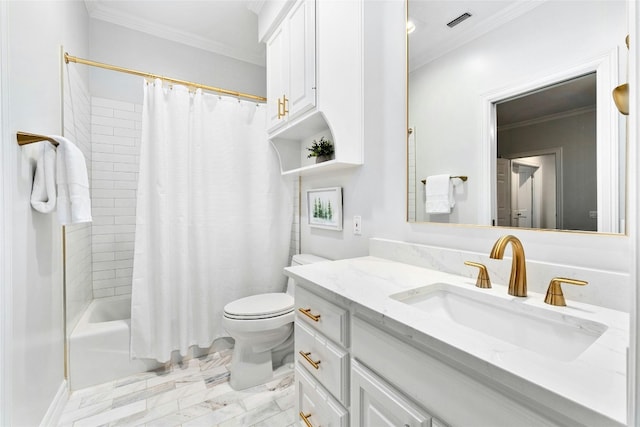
408,366
322,360
442,389
291,65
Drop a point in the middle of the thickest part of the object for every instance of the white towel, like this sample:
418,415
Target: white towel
43,193
438,193
74,203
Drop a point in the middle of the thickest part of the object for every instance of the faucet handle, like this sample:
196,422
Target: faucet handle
554,292
483,280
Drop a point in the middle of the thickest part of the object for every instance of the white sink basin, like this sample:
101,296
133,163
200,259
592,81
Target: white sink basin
547,332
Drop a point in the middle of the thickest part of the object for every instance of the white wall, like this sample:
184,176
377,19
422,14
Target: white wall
446,94
377,190
36,29
124,47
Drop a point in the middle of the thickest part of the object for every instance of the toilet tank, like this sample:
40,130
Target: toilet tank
301,259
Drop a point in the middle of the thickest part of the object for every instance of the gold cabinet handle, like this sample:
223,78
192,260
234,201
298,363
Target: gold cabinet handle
554,292
305,418
280,105
483,280
285,105
315,364
307,312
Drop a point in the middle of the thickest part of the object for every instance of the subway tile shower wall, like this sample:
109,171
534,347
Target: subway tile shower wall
116,129
77,124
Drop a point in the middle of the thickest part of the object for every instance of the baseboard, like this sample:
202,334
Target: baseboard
57,406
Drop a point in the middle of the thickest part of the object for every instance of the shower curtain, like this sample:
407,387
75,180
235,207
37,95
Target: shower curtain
213,220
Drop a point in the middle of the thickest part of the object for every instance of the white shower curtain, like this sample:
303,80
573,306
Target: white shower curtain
213,220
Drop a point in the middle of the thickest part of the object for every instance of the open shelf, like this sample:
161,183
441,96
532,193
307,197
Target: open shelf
291,145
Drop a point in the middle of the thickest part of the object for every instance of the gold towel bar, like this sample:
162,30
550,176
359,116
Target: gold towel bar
462,177
25,138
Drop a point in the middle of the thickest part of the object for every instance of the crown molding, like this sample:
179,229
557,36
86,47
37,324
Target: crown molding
102,12
494,21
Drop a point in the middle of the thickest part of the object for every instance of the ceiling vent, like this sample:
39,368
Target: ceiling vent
459,19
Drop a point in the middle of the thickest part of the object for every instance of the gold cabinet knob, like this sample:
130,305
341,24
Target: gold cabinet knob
554,292
483,280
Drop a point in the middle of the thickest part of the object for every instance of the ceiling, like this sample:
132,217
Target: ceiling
572,95
432,39
226,27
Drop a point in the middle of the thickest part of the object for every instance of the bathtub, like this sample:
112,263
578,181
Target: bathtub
99,344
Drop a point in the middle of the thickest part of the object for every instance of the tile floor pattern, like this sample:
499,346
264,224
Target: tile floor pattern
193,394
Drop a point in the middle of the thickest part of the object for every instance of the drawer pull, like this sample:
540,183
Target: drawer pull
308,359
305,418
307,312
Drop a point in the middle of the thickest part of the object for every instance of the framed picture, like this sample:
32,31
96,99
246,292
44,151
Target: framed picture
324,208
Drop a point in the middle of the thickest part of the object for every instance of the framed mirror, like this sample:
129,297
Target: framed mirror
516,97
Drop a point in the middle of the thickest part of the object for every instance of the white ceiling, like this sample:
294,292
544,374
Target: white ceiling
432,38
226,27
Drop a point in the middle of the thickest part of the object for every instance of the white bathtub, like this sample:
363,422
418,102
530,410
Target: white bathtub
99,344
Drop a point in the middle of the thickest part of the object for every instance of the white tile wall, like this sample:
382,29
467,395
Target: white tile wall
78,269
115,143
294,245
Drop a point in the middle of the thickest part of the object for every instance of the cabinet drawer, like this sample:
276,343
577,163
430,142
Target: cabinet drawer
326,317
316,404
324,360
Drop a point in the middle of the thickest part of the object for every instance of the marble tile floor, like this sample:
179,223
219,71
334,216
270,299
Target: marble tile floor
193,394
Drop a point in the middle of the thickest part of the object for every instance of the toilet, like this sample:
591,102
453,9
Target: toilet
262,327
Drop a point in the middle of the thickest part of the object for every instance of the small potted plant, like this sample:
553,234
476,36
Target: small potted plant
322,150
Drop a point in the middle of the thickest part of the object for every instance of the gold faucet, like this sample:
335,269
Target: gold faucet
518,279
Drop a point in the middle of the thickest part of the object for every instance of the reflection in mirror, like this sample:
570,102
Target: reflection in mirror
518,98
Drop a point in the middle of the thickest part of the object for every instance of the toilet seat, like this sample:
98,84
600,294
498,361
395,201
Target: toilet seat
262,306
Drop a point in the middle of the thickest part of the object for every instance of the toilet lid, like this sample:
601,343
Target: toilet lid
260,306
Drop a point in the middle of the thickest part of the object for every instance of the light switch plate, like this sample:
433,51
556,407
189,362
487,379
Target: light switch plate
357,225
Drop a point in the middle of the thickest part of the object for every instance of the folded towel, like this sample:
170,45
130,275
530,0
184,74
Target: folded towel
74,202
43,193
439,194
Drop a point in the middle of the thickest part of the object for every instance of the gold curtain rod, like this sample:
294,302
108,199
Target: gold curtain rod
25,138
462,177
68,58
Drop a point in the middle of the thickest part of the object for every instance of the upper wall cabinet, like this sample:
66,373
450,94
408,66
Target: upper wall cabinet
314,81
291,65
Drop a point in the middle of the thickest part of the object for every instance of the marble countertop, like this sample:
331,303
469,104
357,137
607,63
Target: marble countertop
593,382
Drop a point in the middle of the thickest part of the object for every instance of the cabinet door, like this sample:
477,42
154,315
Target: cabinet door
301,23
316,405
375,403
277,75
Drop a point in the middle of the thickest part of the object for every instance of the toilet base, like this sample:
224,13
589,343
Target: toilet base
252,366
248,368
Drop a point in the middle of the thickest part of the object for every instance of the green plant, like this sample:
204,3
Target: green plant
322,148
